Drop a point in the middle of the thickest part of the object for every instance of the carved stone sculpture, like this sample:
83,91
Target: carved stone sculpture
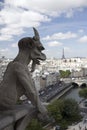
17,79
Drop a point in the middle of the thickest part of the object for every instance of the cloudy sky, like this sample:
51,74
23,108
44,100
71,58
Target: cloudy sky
61,24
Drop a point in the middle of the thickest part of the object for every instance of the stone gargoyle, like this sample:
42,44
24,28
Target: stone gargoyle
17,78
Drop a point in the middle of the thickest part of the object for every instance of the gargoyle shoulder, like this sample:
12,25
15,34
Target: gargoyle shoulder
18,67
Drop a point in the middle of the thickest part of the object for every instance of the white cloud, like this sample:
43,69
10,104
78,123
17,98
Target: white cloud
15,20
11,30
21,17
83,39
19,14
8,32
48,7
54,43
80,30
60,36
5,37
14,45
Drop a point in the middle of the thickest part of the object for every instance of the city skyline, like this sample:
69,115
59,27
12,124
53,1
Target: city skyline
62,25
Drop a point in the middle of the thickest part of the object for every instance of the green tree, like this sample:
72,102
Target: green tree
64,74
55,109
68,73
65,112
71,111
83,93
34,125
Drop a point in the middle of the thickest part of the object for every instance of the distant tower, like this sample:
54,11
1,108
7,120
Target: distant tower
63,56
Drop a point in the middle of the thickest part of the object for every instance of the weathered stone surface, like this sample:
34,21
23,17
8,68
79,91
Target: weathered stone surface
25,112
5,121
9,128
17,81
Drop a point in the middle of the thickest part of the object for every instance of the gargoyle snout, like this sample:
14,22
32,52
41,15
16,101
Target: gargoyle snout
41,48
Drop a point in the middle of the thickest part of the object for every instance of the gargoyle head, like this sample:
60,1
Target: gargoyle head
35,48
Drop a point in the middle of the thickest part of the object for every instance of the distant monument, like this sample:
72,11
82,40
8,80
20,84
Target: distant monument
63,55
17,78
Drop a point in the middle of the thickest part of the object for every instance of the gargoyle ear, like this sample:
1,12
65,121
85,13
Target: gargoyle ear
36,34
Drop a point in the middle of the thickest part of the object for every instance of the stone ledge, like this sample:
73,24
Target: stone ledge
9,117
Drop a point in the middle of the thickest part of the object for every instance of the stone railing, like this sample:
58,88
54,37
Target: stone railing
18,118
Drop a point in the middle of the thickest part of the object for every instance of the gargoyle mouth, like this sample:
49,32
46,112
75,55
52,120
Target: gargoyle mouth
37,61
42,57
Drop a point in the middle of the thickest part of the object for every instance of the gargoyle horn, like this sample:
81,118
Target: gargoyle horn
36,34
